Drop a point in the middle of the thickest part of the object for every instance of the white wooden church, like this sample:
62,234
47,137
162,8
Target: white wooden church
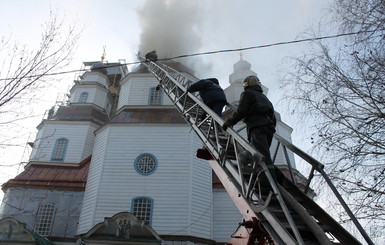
117,165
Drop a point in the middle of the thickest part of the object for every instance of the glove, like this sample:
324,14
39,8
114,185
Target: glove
225,125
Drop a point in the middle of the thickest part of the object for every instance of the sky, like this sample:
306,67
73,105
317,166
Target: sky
121,28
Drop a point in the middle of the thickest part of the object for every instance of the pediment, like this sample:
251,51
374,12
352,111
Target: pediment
122,227
14,232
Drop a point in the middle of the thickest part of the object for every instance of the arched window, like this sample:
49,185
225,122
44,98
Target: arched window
141,208
146,164
44,219
155,96
83,97
59,149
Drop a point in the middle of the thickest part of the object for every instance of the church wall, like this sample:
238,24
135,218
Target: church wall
135,91
233,92
225,216
201,195
36,144
284,131
89,142
101,98
77,134
96,95
86,220
96,77
171,180
176,186
140,91
67,208
90,89
124,94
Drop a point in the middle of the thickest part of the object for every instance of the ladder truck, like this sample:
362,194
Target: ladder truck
272,213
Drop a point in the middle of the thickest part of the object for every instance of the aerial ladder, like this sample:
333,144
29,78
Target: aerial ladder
272,213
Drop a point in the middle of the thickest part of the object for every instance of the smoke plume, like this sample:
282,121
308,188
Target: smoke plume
171,27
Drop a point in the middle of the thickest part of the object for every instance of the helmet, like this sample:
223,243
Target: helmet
245,157
251,81
214,80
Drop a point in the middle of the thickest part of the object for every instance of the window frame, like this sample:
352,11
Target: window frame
138,158
44,220
83,97
56,148
151,96
149,214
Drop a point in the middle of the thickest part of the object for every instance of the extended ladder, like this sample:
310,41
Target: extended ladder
272,214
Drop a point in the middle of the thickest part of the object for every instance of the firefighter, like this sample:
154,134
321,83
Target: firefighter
211,93
151,56
258,113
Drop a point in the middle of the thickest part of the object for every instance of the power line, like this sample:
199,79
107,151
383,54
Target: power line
214,52
272,44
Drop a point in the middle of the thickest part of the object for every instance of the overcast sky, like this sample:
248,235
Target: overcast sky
124,27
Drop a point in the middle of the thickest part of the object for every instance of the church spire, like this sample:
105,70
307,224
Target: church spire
242,69
103,54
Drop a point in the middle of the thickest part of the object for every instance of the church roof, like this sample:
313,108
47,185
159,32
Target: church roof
80,113
242,69
140,69
148,115
173,64
49,176
242,65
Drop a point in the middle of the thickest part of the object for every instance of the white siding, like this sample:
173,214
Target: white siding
201,194
125,88
75,95
80,140
96,77
233,92
225,216
101,98
96,95
36,145
180,186
135,91
284,131
89,142
90,201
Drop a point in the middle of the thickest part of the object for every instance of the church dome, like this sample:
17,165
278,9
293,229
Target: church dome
242,65
242,69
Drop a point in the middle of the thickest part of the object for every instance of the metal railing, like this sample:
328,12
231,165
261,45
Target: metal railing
319,167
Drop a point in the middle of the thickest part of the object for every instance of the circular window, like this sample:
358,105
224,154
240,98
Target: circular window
145,163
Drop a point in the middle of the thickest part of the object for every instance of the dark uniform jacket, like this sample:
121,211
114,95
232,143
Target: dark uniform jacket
255,108
209,91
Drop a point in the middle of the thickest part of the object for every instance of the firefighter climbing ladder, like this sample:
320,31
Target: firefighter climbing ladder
272,214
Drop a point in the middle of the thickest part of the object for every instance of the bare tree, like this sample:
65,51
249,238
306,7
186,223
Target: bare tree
24,82
24,71
339,87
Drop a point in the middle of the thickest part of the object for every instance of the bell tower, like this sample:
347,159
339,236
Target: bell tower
242,69
66,136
